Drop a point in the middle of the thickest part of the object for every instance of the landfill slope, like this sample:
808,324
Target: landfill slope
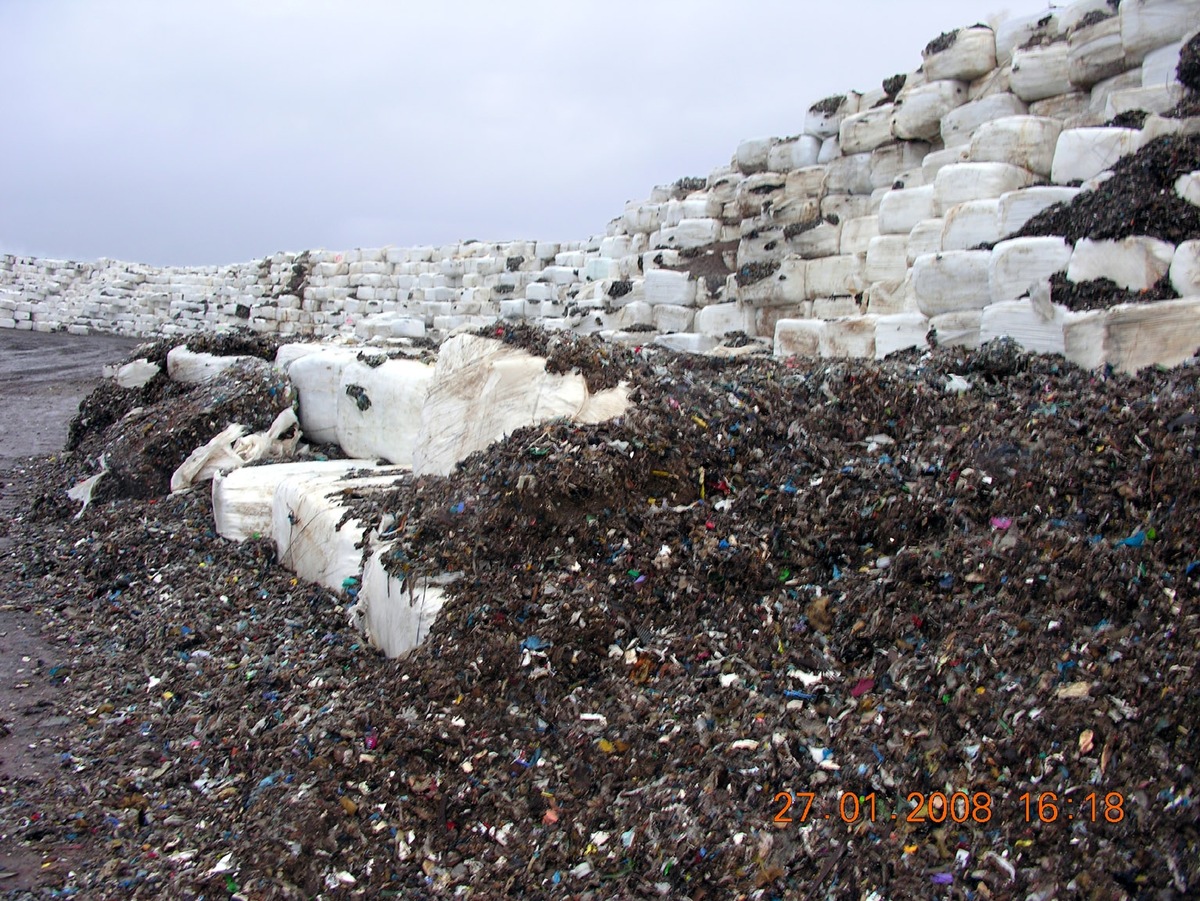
963,572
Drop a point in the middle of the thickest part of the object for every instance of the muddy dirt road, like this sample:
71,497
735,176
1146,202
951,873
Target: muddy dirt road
42,379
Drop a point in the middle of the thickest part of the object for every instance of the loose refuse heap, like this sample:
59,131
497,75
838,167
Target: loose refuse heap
653,640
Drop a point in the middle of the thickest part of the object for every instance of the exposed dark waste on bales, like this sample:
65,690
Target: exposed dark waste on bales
919,628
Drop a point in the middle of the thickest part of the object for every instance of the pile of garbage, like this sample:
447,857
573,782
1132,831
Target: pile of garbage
924,627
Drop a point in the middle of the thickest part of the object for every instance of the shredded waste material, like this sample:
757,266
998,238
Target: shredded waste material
787,629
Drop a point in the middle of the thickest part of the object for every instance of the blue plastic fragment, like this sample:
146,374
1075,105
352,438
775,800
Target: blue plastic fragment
533,643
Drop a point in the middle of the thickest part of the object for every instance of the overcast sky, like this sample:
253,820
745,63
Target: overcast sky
194,133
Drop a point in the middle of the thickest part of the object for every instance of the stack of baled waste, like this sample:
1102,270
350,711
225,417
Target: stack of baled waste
884,224
420,417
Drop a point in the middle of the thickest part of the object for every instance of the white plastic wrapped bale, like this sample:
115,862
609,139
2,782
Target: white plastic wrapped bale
925,237
1159,99
865,131
899,331
831,149
1084,336
699,205
379,408
833,308
1018,207
668,286
836,276
242,499
1083,153
690,233
1017,31
820,240
951,281
1025,141
1095,52
937,160
187,367
970,224
317,377
483,389
1018,265
760,189
959,329
1185,269
641,218
892,296
899,211
807,183
850,174
892,160
1149,24
961,122
792,210
688,343
1135,263
599,268
1160,66
976,181
396,617
1165,333
751,155
847,206
824,119
667,318
722,318
795,153
972,53
1038,328
798,337
784,287
887,258
1041,72
853,336
919,111
857,234
306,524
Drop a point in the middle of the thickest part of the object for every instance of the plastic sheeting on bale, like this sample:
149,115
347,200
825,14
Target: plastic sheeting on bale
951,281
919,111
1083,153
972,54
1164,333
971,224
311,538
317,378
1019,264
1036,327
190,368
242,499
1041,72
379,408
900,211
1025,141
1135,263
798,337
482,389
960,124
394,614
961,182
899,331
1185,269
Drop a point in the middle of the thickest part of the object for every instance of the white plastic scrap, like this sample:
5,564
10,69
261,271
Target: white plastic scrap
232,449
82,491
956,384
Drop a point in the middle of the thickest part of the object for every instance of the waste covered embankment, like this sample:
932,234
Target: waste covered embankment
964,575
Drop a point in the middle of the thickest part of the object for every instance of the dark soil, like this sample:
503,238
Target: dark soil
768,577
756,272
1133,118
1096,15
706,262
1188,70
1139,199
236,343
146,433
1102,293
601,364
892,86
943,41
829,105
